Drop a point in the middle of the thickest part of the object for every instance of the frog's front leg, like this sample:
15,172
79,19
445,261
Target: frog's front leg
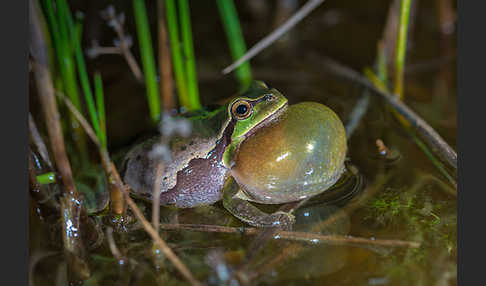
250,214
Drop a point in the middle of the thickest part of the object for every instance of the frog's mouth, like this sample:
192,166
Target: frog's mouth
271,119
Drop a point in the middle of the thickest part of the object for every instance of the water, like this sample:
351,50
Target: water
405,199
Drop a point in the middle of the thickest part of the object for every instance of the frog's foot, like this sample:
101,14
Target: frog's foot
280,219
250,214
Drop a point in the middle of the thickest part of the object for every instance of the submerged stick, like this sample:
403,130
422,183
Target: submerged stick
308,237
160,242
308,7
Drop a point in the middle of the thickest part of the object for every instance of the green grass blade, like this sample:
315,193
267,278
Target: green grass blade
66,76
401,46
188,49
176,52
100,106
65,61
148,61
231,24
78,54
46,178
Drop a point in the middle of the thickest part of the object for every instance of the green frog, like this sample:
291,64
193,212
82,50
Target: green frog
255,149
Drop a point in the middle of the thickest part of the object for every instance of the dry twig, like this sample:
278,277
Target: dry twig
112,245
313,238
122,44
165,64
160,242
276,34
73,211
428,133
38,142
115,179
117,204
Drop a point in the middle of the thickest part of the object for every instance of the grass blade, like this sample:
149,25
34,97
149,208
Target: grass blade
46,178
176,51
78,54
188,49
231,24
66,80
100,105
148,63
401,47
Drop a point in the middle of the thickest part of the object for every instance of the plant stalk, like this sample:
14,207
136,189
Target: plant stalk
148,62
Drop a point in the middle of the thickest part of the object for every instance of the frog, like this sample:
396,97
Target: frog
255,149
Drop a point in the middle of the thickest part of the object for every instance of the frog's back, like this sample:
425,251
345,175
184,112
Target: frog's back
144,163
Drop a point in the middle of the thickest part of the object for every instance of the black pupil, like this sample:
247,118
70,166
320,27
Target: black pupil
241,109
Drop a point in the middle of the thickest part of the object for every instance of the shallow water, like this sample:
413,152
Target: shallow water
405,199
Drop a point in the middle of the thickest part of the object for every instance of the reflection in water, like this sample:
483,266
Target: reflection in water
320,259
323,215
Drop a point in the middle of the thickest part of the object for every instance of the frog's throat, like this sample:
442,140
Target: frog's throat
232,148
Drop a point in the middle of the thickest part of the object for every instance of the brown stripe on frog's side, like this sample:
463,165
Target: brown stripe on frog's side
201,182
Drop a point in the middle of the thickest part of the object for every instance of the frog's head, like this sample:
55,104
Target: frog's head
249,111
256,106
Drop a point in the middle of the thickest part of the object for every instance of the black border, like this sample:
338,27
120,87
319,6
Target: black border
14,33
471,143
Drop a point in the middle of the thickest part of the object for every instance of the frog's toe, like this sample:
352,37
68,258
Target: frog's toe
280,219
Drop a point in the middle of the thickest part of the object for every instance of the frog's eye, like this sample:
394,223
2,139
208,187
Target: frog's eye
241,109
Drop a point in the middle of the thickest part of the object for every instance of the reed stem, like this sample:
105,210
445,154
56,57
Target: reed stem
81,66
175,46
188,49
100,106
148,62
231,24
401,47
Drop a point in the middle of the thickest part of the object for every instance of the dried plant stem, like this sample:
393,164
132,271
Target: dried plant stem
112,245
116,181
165,64
123,47
160,242
357,114
428,133
127,54
117,203
313,238
48,102
73,212
308,7
38,142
